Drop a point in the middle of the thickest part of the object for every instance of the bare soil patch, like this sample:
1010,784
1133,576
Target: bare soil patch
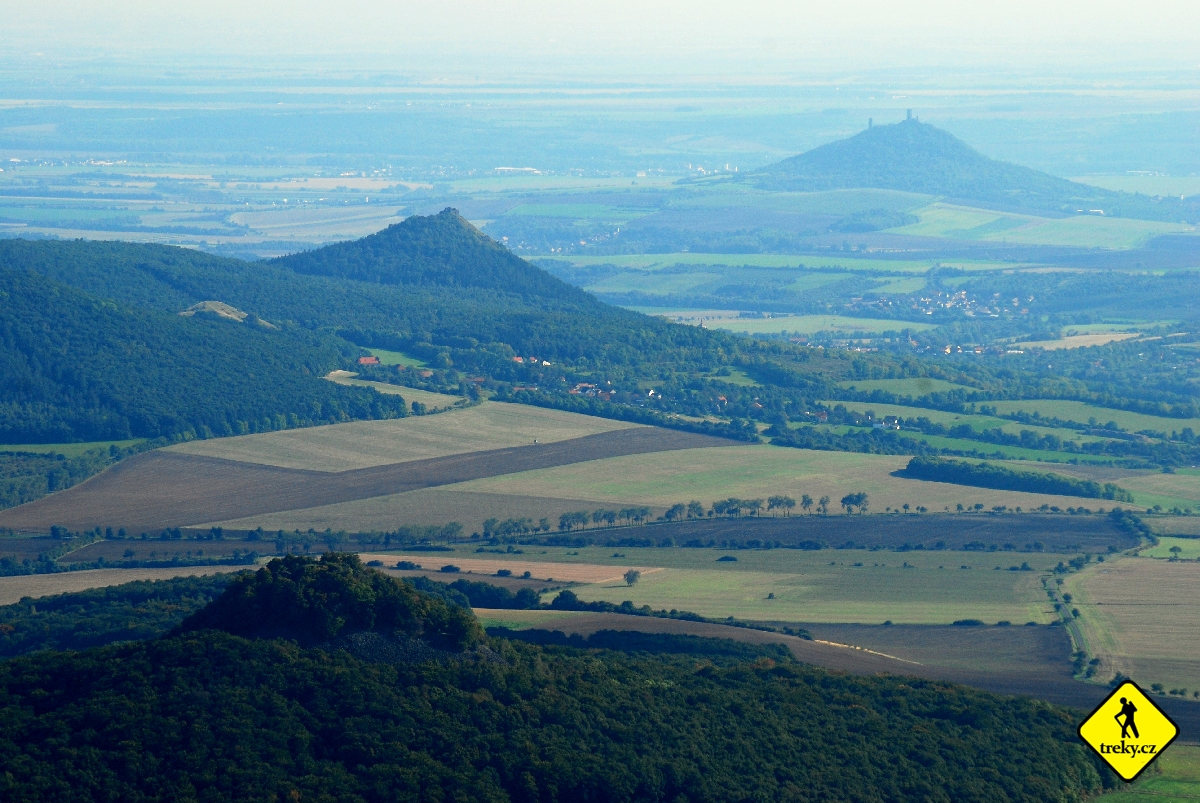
13,589
162,489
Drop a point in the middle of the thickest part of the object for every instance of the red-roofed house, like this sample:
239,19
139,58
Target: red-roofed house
372,360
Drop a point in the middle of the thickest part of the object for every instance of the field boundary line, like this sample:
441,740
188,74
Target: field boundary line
864,649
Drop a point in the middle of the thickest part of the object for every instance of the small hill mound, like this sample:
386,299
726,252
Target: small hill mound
316,601
912,156
440,250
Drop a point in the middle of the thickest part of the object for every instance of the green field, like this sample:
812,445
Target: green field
801,324
398,358
1178,490
759,471
1189,549
823,586
1083,413
1172,778
1147,185
1092,231
68,449
967,445
976,422
913,387
793,262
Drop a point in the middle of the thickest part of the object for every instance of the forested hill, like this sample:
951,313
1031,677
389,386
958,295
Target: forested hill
912,156
442,250
376,692
75,367
427,284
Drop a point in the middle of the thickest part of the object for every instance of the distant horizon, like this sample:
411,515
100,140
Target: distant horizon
615,39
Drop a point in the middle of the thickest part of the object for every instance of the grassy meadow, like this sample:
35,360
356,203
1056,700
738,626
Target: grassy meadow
1147,185
976,422
1141,617
795,324
1173,778
914,387
760,471
398,358
1189,548
837,586
68,449
1089,231
1083,413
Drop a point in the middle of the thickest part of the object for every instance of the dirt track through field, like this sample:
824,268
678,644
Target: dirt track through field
160,489
1056,688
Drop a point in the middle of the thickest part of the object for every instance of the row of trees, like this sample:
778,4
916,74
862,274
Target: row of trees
733,507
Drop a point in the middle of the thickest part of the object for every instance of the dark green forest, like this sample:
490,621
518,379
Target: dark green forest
129,612
206,714
75,367
989,475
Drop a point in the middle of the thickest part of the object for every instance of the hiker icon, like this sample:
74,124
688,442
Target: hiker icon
1128,709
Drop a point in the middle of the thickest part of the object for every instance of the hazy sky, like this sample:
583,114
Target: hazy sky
695,36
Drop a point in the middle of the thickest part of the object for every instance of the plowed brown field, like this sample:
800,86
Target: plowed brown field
161,489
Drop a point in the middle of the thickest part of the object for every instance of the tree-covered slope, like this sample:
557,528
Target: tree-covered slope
208,715
441,250
433,280
76,367
916,157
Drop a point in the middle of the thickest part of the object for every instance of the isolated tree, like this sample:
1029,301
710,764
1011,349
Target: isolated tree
677,511
823,505
905,506
806,502
695,510
753,505
1175,552
632,576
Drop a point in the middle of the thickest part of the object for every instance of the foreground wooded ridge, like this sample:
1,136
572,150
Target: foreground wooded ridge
326,680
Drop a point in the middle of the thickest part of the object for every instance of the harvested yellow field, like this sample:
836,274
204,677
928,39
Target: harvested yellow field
561,572
362,444
12,589
1141,616
1079,341
760,471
